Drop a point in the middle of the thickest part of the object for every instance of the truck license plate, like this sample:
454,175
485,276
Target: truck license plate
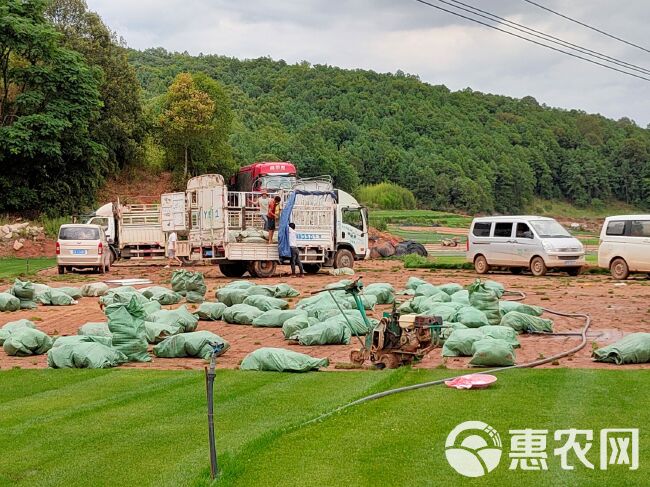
78,251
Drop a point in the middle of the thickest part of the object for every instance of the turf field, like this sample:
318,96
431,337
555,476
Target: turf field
131,427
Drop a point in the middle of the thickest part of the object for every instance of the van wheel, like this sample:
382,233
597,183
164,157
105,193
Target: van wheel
574,271
538,267
343,258
516,270
481,265
61,269
233,270
262,268
619,269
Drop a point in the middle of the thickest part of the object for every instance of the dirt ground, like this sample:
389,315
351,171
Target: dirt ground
616,309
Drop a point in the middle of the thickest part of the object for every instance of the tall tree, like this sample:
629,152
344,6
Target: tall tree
48,99
187,117
120,126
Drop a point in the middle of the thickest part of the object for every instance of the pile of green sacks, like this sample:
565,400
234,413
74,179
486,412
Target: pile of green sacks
189,284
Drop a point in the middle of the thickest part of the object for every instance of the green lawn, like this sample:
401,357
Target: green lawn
13,267
135,427
419,217
425,236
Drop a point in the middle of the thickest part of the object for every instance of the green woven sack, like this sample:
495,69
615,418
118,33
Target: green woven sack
12,326
293,325
241,314
266,303
631,349
277,317
179,316
281,360
384,292
413,282
239,284
283,290
9,302
322,303
332,333
431,290
157,332
73,292
95,329
524,323
162,295
25,292
471,317
449,327
461,297
506,307
450,288
498,288
492,352
54,297
194,344
76,339
150,308
459,343
86,355
502,333
27,341
189,284
352,319
486,300
446,311
231,295
126,323
210,311
94,289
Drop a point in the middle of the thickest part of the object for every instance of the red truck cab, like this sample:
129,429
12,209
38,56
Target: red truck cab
271,176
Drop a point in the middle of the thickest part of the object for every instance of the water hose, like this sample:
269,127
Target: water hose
528,365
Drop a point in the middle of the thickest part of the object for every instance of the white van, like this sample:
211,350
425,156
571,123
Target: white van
523,242
625,245
82,246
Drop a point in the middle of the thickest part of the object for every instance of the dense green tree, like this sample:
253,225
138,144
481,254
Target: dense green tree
120,125
48,99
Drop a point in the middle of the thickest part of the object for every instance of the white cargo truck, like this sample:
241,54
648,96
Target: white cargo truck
225,227
134,231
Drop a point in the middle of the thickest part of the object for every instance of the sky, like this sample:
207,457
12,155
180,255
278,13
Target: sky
391,35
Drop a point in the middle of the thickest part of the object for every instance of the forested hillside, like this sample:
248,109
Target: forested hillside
77,107
465,150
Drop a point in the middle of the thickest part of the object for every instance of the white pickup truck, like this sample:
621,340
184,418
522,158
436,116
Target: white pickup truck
225,227
134,231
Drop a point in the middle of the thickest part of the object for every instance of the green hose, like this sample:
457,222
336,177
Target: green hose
422,385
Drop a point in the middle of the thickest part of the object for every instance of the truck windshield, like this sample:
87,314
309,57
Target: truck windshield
272,183
78,233
549,229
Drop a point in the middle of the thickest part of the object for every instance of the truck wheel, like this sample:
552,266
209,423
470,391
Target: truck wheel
538,267
262,268
113,256
233,270
619,269
343,258
61,269
481,265
312,268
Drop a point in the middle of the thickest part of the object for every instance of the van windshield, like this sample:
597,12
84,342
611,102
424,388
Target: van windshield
78,233
549,229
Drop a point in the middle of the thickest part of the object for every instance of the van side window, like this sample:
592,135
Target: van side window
482,229
615,228
640,228
503,230
523,231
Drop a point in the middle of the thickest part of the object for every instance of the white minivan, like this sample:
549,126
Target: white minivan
82,246
625,245
523,242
